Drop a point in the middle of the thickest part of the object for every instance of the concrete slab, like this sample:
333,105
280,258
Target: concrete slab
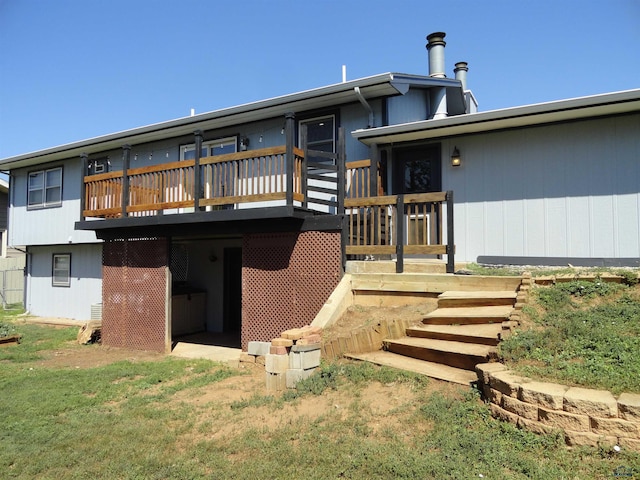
207,352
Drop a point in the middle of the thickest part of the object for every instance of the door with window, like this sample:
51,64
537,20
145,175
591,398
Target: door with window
419,170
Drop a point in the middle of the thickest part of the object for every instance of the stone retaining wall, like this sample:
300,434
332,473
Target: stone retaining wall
584,416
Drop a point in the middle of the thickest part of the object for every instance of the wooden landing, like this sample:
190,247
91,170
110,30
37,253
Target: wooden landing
484,333
476,298
468,315
430,369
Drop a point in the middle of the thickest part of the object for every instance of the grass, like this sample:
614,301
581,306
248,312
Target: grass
580,333
139,421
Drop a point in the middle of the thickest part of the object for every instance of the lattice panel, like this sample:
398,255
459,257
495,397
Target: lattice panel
134,283
286,278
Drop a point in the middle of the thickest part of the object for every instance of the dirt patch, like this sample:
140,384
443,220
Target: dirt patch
95,355
357,317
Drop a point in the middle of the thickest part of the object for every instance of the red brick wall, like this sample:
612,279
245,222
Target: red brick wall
286,278
134,283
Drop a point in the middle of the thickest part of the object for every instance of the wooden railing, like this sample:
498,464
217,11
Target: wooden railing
253,176
359,179
400,224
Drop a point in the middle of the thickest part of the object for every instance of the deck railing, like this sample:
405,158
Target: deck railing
409,224
235,178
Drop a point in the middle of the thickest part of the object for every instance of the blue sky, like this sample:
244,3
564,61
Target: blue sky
76,69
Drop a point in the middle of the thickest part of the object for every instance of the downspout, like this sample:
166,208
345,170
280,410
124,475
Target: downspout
366,105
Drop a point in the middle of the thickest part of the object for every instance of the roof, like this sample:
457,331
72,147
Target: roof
385,84
537,114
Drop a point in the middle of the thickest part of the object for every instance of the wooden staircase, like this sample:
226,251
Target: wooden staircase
462,332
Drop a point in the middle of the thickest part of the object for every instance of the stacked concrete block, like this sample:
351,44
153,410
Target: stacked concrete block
292,357
584,416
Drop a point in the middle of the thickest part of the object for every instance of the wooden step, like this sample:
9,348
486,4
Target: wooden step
484,333
468,315
455,354
476,299
430,369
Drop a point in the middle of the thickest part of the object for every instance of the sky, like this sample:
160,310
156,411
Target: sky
76,69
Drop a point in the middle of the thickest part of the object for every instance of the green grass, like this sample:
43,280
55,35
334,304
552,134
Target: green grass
582,333
141,421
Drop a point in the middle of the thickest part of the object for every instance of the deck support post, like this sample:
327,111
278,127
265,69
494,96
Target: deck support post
126,160
400,234
305,150
196,170
341,162
84,160
451,247
289,128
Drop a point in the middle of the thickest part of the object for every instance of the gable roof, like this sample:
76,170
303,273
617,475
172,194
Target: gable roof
537,114
386,84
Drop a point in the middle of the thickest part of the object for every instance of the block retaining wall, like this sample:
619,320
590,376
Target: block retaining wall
584,416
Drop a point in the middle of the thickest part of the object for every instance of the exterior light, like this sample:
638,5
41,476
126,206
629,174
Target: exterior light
456,160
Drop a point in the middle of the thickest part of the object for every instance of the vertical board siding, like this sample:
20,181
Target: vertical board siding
567,190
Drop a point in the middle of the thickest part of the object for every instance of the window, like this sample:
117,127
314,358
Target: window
61,270
45,188
320,135
210,148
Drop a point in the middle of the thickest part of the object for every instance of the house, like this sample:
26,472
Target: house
239,221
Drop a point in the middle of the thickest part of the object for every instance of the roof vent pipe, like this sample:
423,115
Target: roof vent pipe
435,47
461,73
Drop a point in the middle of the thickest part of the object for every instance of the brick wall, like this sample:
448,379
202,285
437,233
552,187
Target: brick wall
286,278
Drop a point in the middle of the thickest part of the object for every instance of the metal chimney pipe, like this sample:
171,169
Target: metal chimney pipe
435,47
461,73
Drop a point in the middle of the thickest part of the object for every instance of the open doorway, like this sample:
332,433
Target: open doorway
232,286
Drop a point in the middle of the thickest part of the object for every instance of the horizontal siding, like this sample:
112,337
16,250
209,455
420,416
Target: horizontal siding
568,190
72,302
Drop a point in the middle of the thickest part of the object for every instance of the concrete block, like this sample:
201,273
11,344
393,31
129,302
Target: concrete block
276,363
261,359
595,403
615,427
297,374
281,342
483,370
587,439
534,426
522,409
548,395
258,348
275,382
304,360
629,443
502,414
505,382
564,420
293,334
629,406
306,348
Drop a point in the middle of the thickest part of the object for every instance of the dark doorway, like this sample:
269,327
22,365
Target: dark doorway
232,286
417,169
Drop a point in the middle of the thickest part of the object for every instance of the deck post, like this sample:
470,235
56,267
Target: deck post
84,160
341,166
451,247
126,159
400,234
374,155
289,165
305,151
196,170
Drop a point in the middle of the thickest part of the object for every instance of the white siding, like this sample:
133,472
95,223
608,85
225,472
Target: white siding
47,226
568,190
73,302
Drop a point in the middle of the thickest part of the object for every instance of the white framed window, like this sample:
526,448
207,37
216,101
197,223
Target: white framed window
210,148
321,135
45,188
61,270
